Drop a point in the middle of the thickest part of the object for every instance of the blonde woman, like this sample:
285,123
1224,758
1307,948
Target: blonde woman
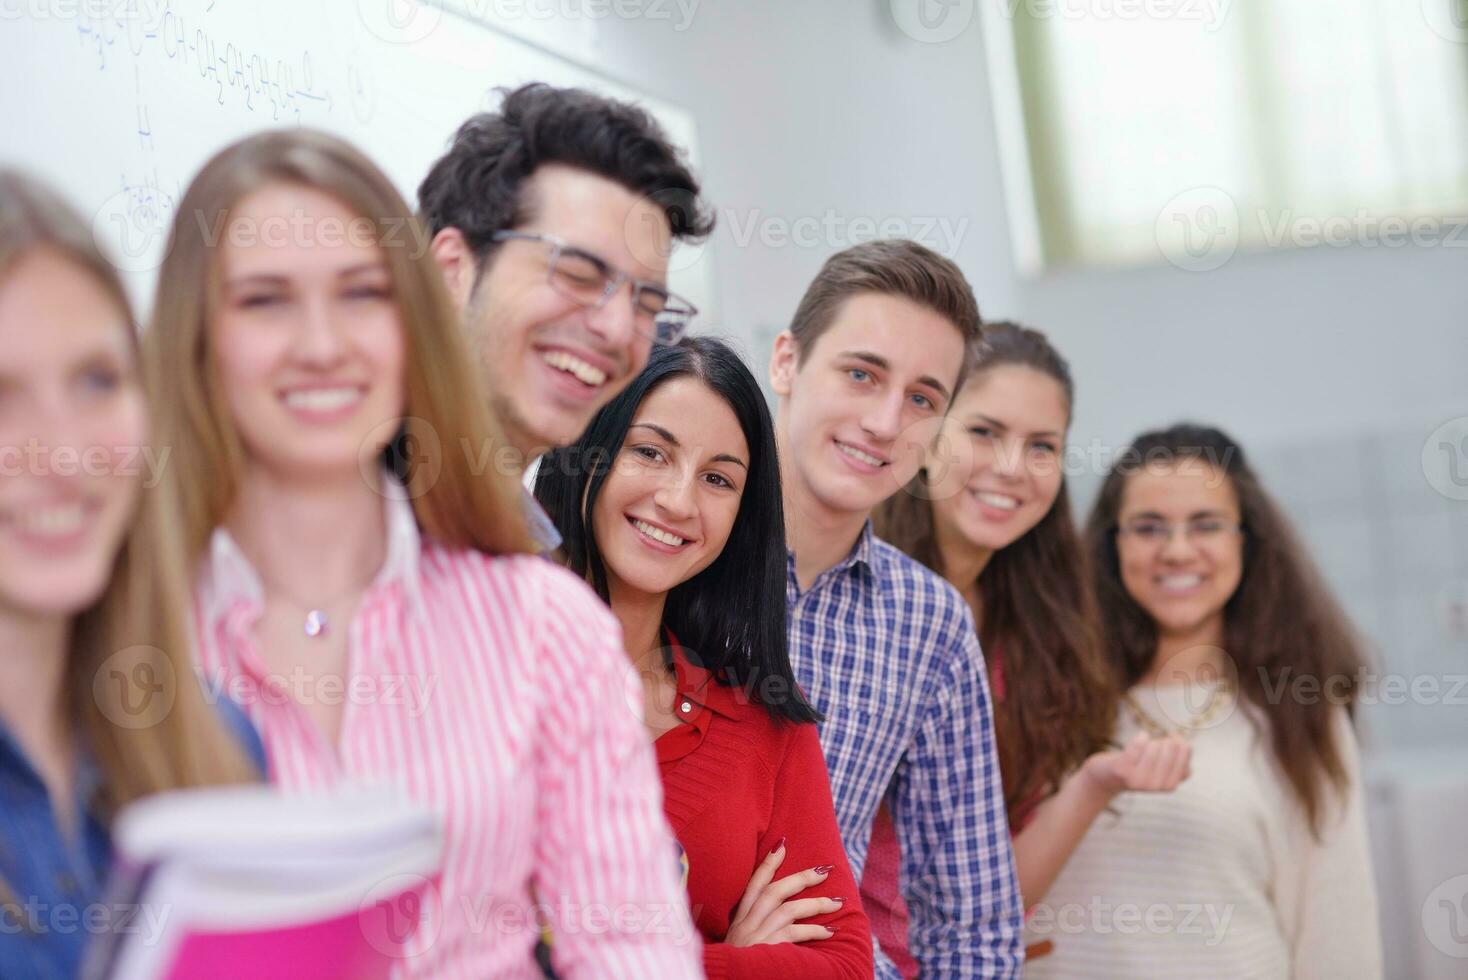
365,584
99,704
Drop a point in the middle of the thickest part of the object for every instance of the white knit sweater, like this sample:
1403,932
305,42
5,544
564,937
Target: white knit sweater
1219,879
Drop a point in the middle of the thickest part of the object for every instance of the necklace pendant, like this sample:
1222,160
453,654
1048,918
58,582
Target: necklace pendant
315,623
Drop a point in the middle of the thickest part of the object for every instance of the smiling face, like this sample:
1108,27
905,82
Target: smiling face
308,339
1013,420
666,509
72,424
551,363
857,413
1182,580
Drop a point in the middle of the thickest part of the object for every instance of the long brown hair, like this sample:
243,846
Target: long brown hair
447,420
136,628
1280,625
1038,625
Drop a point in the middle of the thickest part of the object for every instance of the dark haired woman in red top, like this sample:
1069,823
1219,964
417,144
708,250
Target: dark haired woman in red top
670,506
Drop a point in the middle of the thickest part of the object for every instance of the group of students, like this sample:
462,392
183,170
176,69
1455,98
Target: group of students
784,681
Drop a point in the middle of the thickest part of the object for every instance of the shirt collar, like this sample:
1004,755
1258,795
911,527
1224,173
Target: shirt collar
699,685
862,553
231,579
542,528
86,781
861,558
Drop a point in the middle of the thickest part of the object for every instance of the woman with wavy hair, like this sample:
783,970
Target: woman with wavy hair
99,705
991,512
364,577
1218,627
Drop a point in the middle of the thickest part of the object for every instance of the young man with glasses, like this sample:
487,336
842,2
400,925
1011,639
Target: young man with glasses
881,645
552,220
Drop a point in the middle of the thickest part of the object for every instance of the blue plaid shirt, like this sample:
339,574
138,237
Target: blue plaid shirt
887,650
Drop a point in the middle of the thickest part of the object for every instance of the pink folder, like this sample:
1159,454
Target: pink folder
247,883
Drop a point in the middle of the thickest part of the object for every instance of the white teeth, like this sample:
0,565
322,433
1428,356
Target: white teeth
584,372
998,500
1180,583
657,534
60,520
323,399
855,453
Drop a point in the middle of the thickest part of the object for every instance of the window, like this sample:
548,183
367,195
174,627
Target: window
1146,128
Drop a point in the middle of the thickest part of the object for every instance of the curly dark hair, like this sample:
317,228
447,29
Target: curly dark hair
1282,622
477,186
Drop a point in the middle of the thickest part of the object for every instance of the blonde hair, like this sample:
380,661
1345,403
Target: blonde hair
461,508
136,631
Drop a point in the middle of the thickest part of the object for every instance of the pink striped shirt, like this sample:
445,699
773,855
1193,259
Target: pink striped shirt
494,690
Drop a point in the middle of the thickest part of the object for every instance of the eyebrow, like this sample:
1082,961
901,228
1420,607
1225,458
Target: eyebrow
607,267
996,424
272,278
363,267
667,436
672,440
100,353
1195,515
256,279
881,363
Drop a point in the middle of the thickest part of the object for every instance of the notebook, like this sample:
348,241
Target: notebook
248,882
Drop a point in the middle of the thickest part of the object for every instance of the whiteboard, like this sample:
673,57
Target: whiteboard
117,103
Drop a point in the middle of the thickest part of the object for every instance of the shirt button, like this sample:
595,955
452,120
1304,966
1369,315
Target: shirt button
685,707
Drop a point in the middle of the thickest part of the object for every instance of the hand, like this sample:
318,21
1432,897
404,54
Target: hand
765,914
1146,764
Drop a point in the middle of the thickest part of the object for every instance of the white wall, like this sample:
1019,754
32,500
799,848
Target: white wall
1332,366
808,106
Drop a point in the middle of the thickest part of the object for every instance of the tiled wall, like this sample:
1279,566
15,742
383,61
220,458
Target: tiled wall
1395,548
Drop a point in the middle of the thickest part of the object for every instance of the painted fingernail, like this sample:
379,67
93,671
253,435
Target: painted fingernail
778,846
824,869
839,901
832,929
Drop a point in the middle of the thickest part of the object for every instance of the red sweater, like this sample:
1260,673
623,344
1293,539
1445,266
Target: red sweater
734,783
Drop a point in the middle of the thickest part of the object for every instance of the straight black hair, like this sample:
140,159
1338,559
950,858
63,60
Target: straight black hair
730,617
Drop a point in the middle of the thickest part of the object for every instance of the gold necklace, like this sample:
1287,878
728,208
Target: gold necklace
1219,699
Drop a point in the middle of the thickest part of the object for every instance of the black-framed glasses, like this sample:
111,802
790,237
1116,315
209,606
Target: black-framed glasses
590,281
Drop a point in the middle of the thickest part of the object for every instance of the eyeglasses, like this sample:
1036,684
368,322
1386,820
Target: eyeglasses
590,281
1150,532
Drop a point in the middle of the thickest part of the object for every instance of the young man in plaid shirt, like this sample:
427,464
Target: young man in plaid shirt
881,645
